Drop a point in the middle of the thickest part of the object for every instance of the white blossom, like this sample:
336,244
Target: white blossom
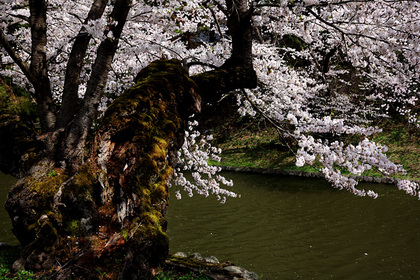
379,39
194,157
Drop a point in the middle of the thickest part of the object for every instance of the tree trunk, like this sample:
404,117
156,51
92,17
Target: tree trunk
70,100
238,71
38,67
108,215
78,131
239,22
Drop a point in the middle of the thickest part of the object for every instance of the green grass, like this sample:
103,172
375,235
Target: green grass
8,254
20,275
259,146
256,145
403,147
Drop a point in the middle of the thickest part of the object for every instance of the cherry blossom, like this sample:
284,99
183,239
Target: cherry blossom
324,67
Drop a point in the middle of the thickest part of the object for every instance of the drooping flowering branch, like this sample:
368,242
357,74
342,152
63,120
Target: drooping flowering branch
195,156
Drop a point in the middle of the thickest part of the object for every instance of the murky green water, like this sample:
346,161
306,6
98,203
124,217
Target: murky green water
294,228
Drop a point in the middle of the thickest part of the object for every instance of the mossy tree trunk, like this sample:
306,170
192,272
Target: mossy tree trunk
108,215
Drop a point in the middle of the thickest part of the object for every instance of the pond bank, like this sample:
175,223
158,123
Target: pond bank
253,143
366,179
208,266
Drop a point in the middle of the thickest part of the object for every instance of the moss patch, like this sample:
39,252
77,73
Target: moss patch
16,102
47,187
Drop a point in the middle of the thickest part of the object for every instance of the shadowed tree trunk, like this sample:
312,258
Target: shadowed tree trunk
70,99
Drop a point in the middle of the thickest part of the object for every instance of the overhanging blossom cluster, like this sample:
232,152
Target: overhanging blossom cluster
194,158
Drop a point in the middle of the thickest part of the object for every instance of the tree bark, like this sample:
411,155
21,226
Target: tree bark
240,28
38,67
77,132
70,100
238,71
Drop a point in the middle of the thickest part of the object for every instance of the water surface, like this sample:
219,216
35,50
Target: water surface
294,228
297,228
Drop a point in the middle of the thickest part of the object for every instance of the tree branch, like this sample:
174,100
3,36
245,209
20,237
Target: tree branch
77,133
70,99
25,18
219,6
11,52
238,71
217,22
39,67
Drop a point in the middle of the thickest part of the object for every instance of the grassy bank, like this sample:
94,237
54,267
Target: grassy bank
249,143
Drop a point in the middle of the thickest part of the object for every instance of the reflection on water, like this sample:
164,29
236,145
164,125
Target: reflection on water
296,228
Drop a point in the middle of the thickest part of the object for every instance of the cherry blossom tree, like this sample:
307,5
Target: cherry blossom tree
96,170
368,46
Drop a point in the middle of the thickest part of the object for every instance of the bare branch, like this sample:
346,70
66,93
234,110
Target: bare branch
11,52
217,21
25,18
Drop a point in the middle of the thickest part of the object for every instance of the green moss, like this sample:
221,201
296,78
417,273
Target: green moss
194,263
74,226
48,186
15,102
125,234
159,191
82,183
86,176
161,68
170,275
142,125
155,218
159,147
153,231
48,237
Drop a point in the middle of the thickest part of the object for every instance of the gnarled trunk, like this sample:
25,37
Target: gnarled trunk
108,215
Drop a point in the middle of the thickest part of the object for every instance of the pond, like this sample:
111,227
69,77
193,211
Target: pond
294,228
299,228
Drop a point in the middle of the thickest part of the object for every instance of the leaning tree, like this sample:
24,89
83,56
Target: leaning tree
93,187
